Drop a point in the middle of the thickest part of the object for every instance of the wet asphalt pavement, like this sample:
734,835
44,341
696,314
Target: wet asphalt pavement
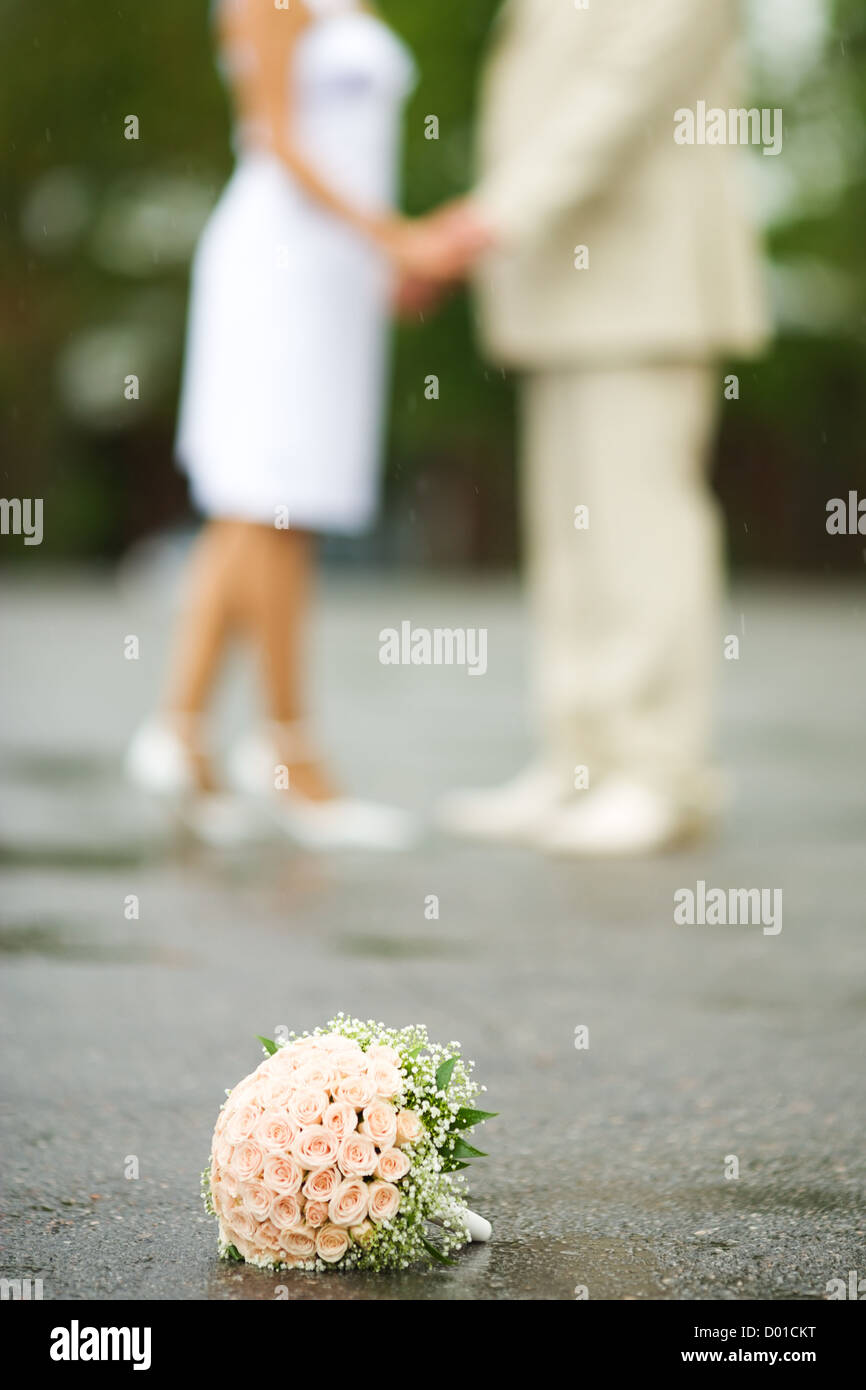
607,1167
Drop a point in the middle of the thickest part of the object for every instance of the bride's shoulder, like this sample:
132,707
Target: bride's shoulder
266,20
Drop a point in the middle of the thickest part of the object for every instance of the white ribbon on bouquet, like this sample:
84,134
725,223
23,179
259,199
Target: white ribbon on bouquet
478,1228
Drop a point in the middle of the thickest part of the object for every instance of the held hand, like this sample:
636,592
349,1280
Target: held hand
413,296
461,237
414,250
440,248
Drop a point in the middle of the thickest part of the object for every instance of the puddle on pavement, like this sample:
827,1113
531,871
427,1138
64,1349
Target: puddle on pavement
50,940
58,768
539,1268
397,947
72,857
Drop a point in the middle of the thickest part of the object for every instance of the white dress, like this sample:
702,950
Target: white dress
287,343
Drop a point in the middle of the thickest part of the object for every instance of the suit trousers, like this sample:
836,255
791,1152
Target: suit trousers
623,547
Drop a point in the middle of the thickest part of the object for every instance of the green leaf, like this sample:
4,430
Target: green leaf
232,1253
466,1118
451,1165
437,1254
269,1046
463,1150
444,1072
413,1052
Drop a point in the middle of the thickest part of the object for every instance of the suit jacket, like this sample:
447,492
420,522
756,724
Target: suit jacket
577,149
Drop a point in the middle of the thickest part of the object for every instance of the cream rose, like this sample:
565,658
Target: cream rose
222,1198
387,1081
229,1184
384,1200
275,1132
347,1064
246,1161
409,1127
320,1185
317,1075
240,1223
331,1244
256,1199
315,1147
307,1105
357,1156
285,1212
356,1090
348,1204
284,1060
316,1213
241,1122
380,1123
393,1165
341,1118
221,1152
275,1092
267,1237
282,1174
299,1241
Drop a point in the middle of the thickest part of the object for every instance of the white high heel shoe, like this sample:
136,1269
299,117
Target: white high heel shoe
158,762
257,768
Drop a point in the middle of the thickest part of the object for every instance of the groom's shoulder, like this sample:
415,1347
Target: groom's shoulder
563,21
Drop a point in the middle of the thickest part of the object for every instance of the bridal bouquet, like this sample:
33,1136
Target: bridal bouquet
343,1150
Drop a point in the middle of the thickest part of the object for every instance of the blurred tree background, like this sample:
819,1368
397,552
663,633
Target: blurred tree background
97,232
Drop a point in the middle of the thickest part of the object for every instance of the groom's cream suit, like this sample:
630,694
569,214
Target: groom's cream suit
626,268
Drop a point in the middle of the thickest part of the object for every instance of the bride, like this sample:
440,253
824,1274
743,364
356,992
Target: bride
283,391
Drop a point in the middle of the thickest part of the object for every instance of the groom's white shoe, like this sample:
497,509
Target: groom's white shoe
513,812
621,817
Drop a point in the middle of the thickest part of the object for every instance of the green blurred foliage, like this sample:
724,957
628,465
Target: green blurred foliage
73,190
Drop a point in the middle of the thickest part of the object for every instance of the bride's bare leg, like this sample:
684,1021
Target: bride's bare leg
202,634
257,578
275,598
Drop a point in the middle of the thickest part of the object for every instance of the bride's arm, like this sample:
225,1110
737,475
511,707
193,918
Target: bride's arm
263,94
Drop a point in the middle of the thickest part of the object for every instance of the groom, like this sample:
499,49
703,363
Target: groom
615,269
